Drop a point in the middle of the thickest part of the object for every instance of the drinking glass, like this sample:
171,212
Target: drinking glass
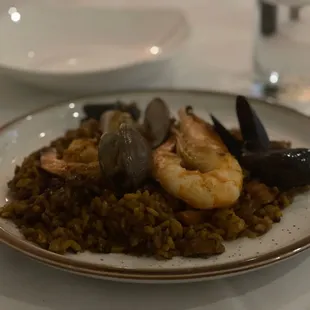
282,49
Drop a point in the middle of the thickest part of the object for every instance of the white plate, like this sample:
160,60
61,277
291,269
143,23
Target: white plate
87,48
287,238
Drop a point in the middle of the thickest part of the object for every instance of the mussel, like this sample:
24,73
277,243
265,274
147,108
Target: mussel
125,158
284,168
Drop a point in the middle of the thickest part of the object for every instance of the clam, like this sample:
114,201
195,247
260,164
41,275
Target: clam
125,147
155,127
111,120
284,168
157,122
125,158
95,110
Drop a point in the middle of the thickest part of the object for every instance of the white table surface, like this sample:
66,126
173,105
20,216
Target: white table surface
221,42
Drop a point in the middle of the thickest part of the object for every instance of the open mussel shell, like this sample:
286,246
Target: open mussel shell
125,158
95,110
254,134
285,169
253,131
157,122
233,145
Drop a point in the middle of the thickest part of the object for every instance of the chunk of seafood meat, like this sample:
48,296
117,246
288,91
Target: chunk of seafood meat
202,172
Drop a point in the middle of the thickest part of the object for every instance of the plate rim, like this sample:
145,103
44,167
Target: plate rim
142,274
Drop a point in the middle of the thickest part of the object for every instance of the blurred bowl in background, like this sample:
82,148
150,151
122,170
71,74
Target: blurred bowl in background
86,49
288,2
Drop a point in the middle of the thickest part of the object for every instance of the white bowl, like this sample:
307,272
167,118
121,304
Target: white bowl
87,48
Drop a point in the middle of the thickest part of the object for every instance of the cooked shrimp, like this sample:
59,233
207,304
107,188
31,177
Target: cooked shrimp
194,128
80,159
202,172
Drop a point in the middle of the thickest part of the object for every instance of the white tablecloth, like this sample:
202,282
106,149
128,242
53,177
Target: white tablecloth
219,57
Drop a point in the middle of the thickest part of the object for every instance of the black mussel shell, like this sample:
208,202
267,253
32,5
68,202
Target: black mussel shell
233,144
157,122
125,158
95,110
286,169
253,132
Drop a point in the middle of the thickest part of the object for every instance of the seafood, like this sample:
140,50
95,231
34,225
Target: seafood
154,186
81,151
202,172
125,148
111,120
265,160
124,151
156,122
282,168
155,127
68,170
253,132
95,110
125,158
